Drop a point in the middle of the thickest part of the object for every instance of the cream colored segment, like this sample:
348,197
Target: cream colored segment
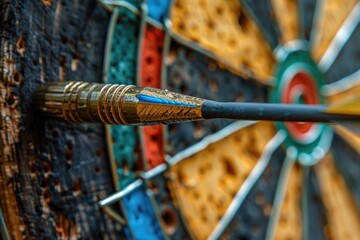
347,101
205,183
351,138
290,223
350,107
287,15
344,96
330,18
343,216
223,28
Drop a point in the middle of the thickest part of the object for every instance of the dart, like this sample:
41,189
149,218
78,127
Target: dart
131,105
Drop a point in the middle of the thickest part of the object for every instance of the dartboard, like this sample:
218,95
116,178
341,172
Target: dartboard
195,180
237,179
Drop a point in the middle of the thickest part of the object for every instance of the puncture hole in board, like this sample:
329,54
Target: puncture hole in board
170,220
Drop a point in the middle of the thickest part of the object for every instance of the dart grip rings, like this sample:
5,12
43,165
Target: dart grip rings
115,104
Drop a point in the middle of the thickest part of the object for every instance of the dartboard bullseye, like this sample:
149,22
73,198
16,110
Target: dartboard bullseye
298,80
301,89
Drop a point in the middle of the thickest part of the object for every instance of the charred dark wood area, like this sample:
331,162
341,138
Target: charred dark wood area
51,173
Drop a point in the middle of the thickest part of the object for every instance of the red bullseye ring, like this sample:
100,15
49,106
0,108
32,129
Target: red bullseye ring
301,85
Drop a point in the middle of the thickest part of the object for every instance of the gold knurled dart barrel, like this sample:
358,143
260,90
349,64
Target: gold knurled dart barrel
115,104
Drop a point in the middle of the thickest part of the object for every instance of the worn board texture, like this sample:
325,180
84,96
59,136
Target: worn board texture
51,173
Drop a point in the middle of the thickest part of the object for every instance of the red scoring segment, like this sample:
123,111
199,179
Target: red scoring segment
301,87
150,70
151,58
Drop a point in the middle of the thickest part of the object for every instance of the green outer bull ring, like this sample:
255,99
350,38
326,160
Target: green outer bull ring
295,60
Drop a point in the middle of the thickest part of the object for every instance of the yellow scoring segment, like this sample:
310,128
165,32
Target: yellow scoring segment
350,107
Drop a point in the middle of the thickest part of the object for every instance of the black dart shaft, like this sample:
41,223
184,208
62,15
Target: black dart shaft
271,112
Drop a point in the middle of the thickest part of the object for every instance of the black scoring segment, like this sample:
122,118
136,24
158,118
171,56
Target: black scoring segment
192,73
